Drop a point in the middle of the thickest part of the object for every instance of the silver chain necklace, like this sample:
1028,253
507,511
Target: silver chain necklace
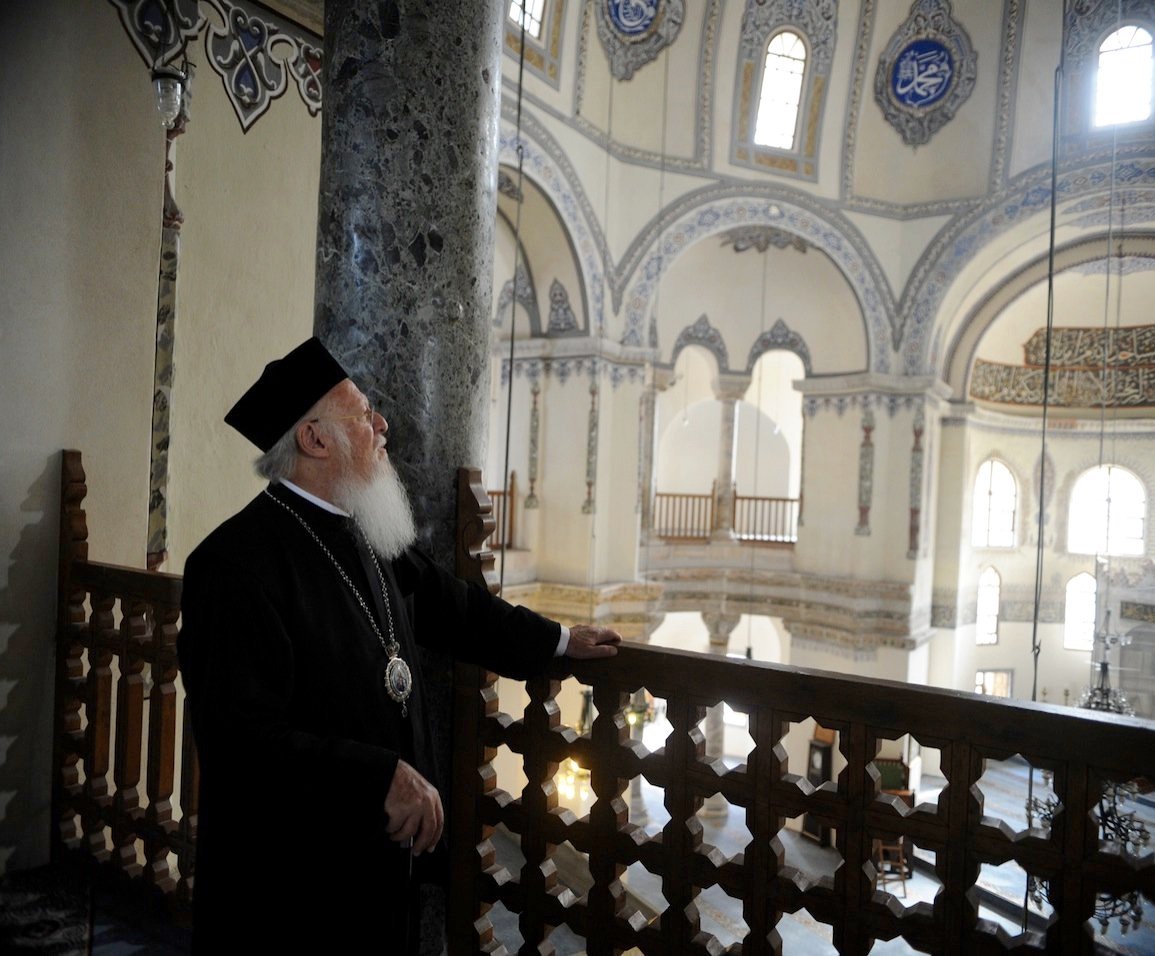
398,677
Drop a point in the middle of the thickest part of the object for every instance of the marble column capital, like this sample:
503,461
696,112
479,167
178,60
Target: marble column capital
720,625
731,387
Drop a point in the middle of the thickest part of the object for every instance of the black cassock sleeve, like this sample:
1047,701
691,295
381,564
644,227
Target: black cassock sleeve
464,620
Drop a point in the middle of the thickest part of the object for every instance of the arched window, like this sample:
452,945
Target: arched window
1079,614
531,12
987,616
1108,513
995,503
1124,79
781,91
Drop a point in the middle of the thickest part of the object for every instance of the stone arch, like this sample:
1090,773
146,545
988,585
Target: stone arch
716,209
702,333
779,336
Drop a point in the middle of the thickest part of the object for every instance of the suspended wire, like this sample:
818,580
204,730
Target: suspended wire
519,200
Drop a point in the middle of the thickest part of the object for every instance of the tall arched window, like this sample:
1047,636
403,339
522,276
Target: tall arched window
1079,613
1124,80
781,93
1108,513
987,615
995,503
532,12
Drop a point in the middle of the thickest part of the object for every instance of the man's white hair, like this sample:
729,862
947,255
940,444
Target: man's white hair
278,462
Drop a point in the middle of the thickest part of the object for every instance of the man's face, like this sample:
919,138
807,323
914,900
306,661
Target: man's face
348,409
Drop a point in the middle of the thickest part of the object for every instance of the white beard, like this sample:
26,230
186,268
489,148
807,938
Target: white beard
381,508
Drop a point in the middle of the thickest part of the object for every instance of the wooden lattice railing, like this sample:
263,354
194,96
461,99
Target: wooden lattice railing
1082,750
118,626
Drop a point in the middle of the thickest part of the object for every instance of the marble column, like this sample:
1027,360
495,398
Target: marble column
729,390
720,626
405,227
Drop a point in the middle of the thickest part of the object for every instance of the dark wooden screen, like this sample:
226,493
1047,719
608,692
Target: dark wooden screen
1081,749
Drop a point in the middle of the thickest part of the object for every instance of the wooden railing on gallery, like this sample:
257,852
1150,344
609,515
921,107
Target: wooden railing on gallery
123,620
683,517
504,514
766,520
1083,750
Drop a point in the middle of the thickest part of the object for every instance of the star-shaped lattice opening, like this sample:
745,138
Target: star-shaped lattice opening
806,849
722,740
567,873
646,810
904,876
1124,818
507,773
643,717
907,774
498,927
644,899
809,756
997,896
719,917
575,793
723,829
799,932
511,700
1017,798
571,711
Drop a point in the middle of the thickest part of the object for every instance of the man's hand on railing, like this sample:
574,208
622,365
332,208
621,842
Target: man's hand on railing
586,641
414,809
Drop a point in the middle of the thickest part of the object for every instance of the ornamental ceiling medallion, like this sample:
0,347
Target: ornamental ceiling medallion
926,73
634,32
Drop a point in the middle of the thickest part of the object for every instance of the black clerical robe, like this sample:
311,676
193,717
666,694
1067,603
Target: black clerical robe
297,737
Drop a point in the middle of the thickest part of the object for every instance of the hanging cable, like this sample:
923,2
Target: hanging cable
519,199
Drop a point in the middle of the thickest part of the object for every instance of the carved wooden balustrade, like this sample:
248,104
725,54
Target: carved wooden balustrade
1084,751
116,714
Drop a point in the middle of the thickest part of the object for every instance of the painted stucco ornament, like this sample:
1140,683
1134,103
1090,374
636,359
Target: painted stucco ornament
926,73
634,32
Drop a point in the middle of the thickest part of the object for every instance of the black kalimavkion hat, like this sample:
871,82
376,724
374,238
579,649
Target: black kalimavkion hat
287,388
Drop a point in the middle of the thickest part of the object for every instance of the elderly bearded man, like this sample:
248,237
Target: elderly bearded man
297,648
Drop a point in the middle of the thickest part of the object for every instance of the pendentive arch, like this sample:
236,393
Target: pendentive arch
958,356
559,185
714,210
1026,197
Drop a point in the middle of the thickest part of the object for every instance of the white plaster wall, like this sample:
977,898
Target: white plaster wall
244,290
82,155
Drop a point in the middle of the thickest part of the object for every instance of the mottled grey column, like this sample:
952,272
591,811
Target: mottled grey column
405,228
405,252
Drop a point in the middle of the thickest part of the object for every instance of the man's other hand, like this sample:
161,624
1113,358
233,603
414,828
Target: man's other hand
413,806
586,641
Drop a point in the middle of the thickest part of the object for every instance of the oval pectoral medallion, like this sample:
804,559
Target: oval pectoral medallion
398,680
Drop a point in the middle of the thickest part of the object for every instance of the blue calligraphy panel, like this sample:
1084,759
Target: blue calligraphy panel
922,73
632,18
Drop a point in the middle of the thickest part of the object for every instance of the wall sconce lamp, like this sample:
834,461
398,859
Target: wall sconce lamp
169,82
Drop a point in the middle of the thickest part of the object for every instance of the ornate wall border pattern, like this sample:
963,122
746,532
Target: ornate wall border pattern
526,298
715,209
560,183
563,369
883,401
1027,195
779,336
254,52
703,148
703,334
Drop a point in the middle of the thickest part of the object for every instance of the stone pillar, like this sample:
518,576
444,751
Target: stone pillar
405,228
405,253
728,389
720,626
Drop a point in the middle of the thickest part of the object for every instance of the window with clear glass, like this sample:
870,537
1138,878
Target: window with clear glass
994,683
1123,82
995,502
1079,613
528,13
987,616
1108,513
781,91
